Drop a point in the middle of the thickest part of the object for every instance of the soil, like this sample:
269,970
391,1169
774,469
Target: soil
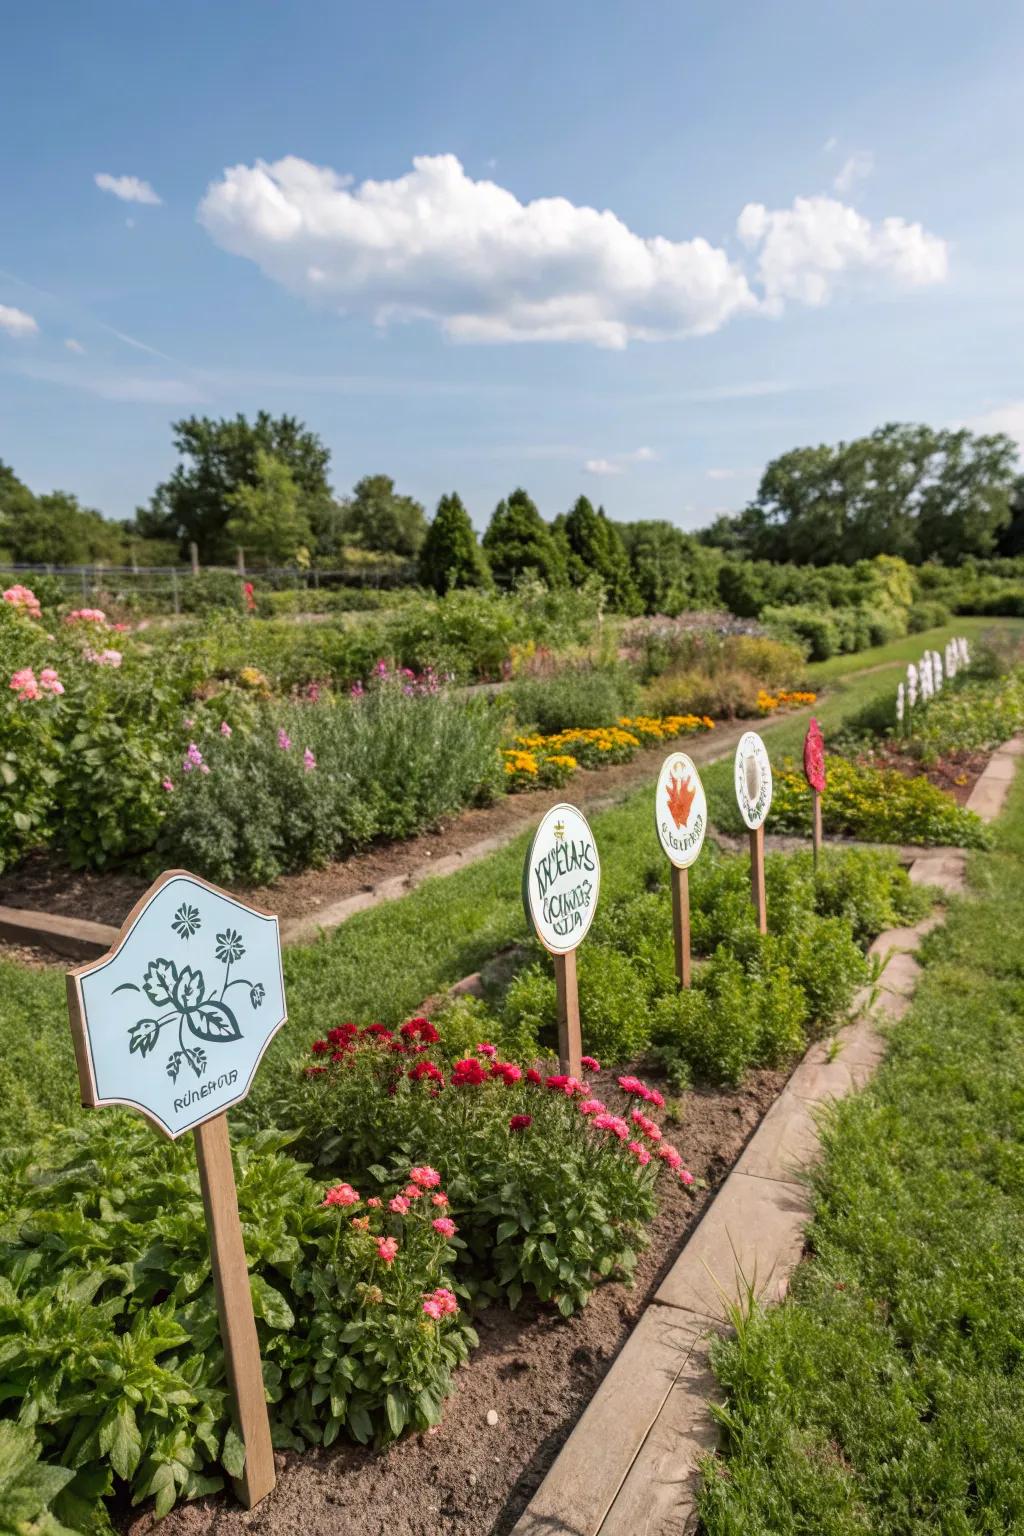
957,774
535,1369
42,883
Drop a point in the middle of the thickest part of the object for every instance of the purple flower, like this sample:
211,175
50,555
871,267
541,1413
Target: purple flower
225,729
309,760
284,741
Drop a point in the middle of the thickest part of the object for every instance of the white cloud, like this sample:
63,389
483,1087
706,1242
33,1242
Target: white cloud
436,244
856,167
617,463
1008,418
722,474
468,255
16,322
803,251
73,345
130,189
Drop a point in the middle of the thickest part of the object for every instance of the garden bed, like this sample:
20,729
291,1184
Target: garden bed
44,883
537,1370
956,772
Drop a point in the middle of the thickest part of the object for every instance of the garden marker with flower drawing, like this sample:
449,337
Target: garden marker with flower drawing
173,1021
753,774
680,820
561,881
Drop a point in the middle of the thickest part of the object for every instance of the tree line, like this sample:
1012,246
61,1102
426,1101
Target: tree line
263,487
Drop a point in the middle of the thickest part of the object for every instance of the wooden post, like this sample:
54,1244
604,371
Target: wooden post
234,1308
240,561
570,1044
681,923
193,551
816,797
757,877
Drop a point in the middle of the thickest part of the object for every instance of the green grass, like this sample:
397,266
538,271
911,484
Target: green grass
886,1395
909,648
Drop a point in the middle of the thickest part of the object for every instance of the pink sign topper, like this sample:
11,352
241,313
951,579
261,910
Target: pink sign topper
814,756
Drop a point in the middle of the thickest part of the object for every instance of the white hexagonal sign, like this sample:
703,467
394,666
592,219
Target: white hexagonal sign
174,1020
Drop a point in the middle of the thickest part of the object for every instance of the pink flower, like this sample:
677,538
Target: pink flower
309,760
444,1225
425,1177
439,1199
649,1127
86,616
439,1303
361,1223
374,1202
24,599
49,681
284,741
341,1194
591,1063
613,1123
225,729
387,1247
640,1152
506,1071
104,658
485,1048
635,1086
24,684
433,1309
399,1204
591,1107
561,1082
685,1176
167,784
412,1192
669,1155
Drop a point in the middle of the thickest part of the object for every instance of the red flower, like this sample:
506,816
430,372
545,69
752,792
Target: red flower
560,1082
468,1073
507,1071
420,1029
341,1034
520,1122
314,1071
533,1076
591,1063
424,1069
319,1047
378,1031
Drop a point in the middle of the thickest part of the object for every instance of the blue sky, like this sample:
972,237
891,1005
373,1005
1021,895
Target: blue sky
467,323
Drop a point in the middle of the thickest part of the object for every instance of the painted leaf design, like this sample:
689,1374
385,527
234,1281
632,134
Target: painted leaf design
189,990
144,1034
681,795
214,1022
159,981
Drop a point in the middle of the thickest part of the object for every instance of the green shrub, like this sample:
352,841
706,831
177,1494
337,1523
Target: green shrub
816,630
27,1488
970,715
879,805
927,613
580,698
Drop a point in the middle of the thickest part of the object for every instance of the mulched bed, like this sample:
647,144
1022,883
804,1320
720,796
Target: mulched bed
536,1370
43,883
957,774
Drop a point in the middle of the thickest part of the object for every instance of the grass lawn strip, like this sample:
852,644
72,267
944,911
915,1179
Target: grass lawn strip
886,1394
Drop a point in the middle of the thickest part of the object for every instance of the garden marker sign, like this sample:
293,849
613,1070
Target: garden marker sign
814,773
680,820
561,881
753,774
173,1021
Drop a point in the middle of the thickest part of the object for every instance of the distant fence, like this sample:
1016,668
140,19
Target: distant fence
191,589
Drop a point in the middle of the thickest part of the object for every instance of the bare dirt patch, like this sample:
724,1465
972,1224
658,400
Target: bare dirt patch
536,1370
957,773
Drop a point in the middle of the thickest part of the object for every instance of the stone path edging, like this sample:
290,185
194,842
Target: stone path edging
630,1466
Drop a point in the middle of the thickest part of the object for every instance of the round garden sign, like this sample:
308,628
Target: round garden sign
753,779
680,810
561,879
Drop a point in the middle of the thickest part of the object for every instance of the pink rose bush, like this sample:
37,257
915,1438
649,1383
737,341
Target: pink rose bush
547,1188
23,600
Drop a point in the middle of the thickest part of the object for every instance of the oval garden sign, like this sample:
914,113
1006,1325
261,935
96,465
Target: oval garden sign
753,779
680,810
561,879
175,1018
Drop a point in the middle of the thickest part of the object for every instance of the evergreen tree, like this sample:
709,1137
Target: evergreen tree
595,547
518,542
451,555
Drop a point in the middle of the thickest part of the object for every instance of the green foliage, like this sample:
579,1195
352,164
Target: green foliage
580,697
519,543
595,547
877,805
196,504
54,528
382,766
451,555
671,570
926,614
376,517
28,1487
969,715
267,518
884,1394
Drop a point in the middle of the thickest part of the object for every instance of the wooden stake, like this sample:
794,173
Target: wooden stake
757,877
570,1045
234,1307
816,796
681,923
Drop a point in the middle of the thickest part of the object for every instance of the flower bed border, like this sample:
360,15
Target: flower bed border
632,1462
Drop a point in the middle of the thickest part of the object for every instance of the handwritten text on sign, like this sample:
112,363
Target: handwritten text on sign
561,879
753,779
175,1019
